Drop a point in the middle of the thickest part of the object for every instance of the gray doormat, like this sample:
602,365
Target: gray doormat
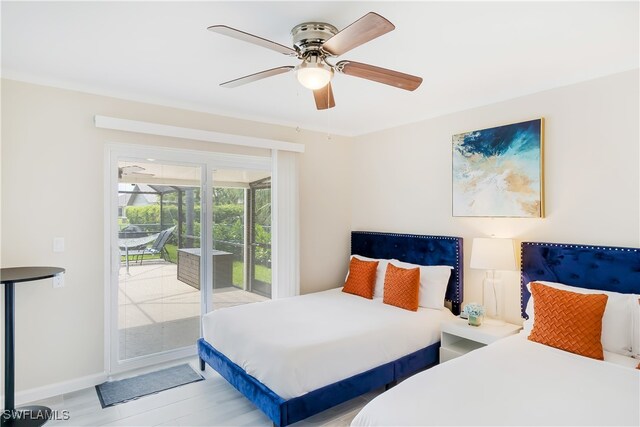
115,392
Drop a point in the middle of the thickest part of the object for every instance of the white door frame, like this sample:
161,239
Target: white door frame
207,161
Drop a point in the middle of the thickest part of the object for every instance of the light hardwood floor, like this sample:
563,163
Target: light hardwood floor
212,402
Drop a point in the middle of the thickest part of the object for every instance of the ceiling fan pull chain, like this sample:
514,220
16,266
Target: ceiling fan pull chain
298,129
328,114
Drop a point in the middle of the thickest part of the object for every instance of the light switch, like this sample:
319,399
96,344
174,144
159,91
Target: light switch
58,244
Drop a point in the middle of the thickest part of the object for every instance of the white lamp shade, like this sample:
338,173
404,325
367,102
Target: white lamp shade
492,254
314,77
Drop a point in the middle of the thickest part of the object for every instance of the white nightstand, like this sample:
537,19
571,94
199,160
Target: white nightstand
458,338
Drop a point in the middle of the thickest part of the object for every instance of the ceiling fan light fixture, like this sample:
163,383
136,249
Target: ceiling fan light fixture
313,74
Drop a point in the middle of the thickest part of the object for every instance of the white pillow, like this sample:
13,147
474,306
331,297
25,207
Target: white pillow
616,321
433,283
380,273
635,313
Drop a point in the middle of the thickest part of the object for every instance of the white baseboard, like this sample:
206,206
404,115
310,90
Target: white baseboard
44,392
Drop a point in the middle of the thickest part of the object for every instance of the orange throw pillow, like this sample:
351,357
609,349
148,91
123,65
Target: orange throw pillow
568,321
362,278
401,287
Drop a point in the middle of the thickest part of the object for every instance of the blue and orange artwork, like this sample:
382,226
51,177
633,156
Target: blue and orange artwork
497,172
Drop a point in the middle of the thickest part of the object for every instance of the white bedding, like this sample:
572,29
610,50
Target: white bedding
512,382
297,345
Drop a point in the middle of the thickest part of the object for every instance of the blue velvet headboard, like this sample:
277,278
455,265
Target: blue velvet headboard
416,249
606,268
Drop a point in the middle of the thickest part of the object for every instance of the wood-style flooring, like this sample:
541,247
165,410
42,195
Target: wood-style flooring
212,402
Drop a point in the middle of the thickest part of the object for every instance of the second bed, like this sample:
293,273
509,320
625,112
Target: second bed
517,381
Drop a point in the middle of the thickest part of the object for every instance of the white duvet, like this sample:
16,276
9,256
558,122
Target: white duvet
513,382
297,345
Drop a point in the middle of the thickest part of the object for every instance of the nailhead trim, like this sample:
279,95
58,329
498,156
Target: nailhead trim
561,245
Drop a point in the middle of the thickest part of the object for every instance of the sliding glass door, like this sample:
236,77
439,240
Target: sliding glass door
158,217
241,237
169,210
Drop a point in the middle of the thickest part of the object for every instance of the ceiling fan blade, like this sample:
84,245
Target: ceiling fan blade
380,75
363,30
250,38
324,97
257,76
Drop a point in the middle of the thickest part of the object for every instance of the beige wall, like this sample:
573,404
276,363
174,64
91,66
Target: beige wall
401,178
395,180
52,185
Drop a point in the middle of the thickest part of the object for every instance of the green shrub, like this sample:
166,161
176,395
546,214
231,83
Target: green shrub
228,224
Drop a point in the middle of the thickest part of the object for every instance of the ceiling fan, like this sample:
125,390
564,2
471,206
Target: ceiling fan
314,43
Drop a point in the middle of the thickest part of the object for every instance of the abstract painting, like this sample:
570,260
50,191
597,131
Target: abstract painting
497,172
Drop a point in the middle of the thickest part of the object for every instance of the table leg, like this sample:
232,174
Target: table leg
9,350
28,416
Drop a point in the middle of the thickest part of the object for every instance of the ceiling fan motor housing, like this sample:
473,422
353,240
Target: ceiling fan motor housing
310,36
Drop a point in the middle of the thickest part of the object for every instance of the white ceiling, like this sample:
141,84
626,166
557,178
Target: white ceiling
469,54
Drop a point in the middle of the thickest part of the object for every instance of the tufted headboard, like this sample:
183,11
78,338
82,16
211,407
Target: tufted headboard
606,268
416,249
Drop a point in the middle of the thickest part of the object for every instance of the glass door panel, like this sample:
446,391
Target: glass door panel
159,302
260,240
241,237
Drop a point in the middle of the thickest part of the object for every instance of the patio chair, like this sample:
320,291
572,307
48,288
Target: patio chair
158,246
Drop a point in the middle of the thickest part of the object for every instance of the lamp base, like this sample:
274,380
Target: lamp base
492,297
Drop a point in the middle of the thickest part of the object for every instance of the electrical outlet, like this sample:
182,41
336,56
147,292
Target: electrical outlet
58,281
58,244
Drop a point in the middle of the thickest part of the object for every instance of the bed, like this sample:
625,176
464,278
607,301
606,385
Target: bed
516,381
298,356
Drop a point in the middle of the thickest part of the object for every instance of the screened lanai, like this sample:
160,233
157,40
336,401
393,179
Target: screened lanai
159,207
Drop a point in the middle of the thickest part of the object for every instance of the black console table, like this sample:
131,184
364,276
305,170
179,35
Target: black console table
27,415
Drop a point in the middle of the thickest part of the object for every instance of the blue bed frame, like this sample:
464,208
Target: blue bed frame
607,268
417,249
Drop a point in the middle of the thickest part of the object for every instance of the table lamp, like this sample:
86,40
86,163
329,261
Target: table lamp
493,255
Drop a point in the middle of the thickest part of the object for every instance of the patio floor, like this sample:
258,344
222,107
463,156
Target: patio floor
157,312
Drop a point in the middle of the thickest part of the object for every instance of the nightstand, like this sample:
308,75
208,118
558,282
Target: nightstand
458,338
